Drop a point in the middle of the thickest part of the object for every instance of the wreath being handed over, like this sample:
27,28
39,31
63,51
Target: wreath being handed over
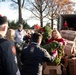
55,46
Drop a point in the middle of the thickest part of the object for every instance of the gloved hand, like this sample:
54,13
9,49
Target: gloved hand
55,53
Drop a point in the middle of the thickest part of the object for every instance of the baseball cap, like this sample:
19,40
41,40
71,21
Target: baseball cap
20,25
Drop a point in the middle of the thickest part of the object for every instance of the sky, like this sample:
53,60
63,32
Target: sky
11,14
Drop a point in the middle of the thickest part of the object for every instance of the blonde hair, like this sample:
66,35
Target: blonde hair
10,35
58,34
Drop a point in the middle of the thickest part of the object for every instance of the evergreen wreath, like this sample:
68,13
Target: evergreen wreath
46,32
55,46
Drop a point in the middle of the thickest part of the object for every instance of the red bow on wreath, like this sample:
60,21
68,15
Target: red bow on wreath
36,26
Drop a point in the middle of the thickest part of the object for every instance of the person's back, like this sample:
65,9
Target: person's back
32,58
8,61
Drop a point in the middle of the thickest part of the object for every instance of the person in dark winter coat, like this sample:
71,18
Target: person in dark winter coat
8,61
33,56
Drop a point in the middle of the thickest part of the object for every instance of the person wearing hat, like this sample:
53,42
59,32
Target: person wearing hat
8,60
19,35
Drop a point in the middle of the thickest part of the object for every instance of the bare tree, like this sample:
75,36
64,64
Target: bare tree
20,4
38,8
57,7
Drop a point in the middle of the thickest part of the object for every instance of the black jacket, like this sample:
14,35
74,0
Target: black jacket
8,61
32,58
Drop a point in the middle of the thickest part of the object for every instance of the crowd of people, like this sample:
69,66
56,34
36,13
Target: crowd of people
18,58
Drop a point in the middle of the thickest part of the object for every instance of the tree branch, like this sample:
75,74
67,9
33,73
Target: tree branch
46,14
32,12
44,8
23,3
35,14
14,1
35,6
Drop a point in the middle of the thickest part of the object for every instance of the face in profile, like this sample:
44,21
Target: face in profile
40,40
5,29
10,34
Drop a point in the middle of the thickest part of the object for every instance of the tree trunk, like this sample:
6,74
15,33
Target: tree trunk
41,20
41,16
51,23
58,23
20,11
52,19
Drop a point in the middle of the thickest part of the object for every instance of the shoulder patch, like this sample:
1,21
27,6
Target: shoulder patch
32,49
25,47
14,50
